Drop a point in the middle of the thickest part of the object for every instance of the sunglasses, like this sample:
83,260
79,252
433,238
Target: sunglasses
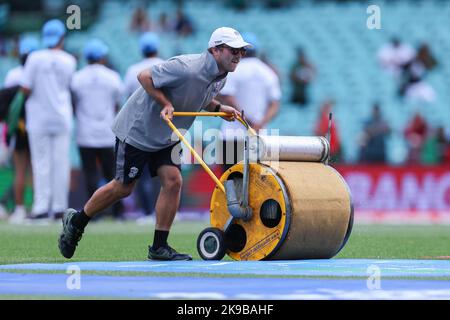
235,51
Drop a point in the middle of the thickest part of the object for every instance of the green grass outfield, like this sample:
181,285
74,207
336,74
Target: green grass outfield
127,241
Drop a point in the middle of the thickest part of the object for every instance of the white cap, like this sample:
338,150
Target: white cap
227,36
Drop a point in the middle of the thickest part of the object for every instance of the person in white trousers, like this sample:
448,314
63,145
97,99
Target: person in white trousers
97,94
46,82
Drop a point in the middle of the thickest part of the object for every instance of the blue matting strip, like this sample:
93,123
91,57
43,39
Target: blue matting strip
217,288
335,267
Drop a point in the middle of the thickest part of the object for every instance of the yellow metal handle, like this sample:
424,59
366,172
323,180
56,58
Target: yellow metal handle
199,159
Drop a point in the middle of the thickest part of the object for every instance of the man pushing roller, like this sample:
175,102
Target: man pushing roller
183,83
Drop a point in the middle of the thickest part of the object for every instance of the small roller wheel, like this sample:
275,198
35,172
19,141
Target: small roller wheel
211,244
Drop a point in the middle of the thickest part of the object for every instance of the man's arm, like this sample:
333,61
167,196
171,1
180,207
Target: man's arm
26,91
228,100
223,108
74,100
145,79
272,111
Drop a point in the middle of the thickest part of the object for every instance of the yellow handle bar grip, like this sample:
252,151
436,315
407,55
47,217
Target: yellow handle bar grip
214,114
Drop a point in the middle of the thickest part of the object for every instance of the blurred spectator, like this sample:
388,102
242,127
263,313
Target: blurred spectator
147,188
19,139
394,55
3,46
97,94
446,148
413,86
436,148
373,138
164,24
425,57
4,149
140,21
254,88
183,24
420,91
15,47
46,81
302,73
4,158
321,129
148,44
239,4
415,133
276,4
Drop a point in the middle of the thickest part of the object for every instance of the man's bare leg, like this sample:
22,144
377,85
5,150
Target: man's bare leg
21,164
74,221
106,196
166,209
169,196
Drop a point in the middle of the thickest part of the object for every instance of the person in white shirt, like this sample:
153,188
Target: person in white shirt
97,93
26,46
21,153
253,88
148,43
394,56
147,188
46,82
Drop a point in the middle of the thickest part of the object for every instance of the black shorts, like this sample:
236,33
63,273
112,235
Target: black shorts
130,161
20,138
22,143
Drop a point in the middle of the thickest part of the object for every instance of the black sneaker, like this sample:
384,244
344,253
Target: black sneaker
166,253
70,235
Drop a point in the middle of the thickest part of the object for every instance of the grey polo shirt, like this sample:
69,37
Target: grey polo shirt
189,82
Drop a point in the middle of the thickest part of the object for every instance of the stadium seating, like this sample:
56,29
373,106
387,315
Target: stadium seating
335,38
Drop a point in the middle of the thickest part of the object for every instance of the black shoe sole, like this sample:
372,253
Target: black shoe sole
157,259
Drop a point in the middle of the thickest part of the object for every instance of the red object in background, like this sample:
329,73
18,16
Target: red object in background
201,182
409,188
198,187
416,129
321,128
374,188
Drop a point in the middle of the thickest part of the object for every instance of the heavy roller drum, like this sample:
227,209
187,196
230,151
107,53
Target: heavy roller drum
301,210
301,207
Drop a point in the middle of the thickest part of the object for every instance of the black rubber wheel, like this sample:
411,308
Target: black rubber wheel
211,244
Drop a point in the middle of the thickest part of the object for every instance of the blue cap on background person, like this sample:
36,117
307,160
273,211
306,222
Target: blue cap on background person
52,32
28,45
95,50
149,43
252,39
